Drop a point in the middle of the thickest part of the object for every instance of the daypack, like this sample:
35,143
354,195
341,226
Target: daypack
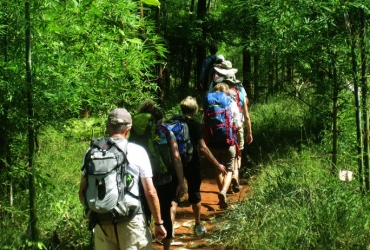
218,120
153,138
179,127
110,195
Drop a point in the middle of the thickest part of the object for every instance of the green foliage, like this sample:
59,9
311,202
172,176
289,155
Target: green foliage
152,2
295,201
277,124
57,176
296,204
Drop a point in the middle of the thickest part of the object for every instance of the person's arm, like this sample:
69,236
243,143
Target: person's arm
153,203
177,164
205,151
82,188
247,121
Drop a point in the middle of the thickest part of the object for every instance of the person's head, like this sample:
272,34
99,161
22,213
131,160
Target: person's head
189,106
149,106
221,87
220,59
213,49
119,122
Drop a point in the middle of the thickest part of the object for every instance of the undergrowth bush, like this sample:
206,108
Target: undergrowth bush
296,202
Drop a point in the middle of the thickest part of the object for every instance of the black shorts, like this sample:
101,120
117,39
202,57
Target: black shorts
193,176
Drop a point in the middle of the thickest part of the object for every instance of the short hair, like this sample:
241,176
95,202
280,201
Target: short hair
221,87
117,128
189,106
213,48
149,106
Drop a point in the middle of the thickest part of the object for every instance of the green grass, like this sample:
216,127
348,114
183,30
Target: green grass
296,204
295,201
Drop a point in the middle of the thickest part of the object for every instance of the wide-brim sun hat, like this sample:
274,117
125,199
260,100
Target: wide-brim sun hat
226,67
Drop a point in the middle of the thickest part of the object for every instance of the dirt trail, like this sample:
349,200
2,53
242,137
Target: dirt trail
210,214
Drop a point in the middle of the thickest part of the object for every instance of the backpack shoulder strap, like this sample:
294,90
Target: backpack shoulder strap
164,130
121,145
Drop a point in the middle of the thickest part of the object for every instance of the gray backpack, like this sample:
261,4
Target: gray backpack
109,196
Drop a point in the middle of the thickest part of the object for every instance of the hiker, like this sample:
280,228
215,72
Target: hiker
239,96
174,185
133,233
220,137
206,66
219,73
193,170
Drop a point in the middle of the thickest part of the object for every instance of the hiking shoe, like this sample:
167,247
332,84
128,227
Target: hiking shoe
199,229
235,185
237,188
222,198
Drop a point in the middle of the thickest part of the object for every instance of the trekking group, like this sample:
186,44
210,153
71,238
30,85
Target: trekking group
138,173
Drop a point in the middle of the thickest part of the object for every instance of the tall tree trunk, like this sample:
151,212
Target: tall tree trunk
5,139
360,155
159,66
201,48
256,59
289,70
187,68
271,73
277,85
247,72
364,91
334,157
31,126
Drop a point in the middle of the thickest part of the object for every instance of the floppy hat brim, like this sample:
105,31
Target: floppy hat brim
226,71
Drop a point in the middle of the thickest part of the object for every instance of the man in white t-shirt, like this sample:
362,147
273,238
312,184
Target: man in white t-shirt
135,233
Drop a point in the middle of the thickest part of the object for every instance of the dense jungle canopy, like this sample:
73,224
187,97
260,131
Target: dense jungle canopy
71,59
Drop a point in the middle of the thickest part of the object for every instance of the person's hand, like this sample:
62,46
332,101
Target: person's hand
180,190
159,232
222,169
249,138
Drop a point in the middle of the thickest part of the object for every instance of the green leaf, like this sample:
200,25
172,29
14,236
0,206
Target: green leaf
135,40
152,2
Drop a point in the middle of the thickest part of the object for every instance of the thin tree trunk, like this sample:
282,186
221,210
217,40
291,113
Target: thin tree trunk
271,73
256,59
247,72
334,157
201,48
5,139
277,87
31,128
360,155
159,66
364,91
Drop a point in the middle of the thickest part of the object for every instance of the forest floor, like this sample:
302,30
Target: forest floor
211,215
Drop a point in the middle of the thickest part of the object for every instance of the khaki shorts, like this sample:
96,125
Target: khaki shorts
225,157
240,135
132,235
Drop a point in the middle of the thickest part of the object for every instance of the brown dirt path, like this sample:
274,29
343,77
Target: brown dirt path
211,214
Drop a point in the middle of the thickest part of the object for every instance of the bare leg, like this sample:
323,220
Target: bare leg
196,212
227,181
173,215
